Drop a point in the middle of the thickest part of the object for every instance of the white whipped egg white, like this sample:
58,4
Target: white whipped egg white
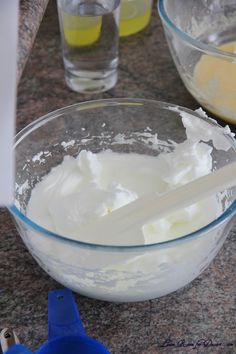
83,189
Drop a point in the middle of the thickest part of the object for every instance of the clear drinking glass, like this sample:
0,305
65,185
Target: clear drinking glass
135,16
90,35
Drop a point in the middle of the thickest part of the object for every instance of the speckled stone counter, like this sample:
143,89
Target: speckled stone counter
31,14
203,310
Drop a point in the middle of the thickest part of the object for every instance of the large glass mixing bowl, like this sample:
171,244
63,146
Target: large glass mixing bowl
113,273
194,31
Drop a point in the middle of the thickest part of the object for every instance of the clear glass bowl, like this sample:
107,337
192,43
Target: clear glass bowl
113,273
194,31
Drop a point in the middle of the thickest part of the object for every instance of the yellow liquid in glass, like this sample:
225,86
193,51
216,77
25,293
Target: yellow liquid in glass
81,30
215,82
135,16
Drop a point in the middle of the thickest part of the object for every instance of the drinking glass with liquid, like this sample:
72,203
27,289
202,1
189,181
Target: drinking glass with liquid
135,16
90,38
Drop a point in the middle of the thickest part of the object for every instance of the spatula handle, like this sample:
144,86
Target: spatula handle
63,315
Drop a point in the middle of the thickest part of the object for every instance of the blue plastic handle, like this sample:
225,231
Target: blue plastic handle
66,334
63,315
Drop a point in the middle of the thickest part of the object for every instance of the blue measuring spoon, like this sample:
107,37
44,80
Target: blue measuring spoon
66,334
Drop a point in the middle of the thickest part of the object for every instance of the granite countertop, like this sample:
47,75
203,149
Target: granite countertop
31,14
203,309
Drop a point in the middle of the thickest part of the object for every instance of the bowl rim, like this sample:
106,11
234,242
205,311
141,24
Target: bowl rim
206,48
13,209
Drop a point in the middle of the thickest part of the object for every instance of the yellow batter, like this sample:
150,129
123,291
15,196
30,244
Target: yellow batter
215,83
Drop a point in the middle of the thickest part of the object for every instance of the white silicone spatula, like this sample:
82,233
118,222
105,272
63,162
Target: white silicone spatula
8,67
116,228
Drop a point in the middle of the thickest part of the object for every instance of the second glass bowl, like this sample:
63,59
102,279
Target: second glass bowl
202,42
